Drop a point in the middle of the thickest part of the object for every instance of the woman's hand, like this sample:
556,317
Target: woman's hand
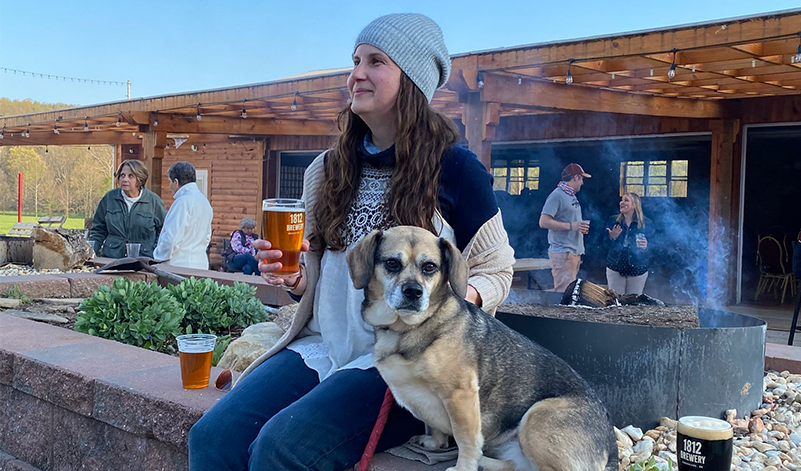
642,242
269,262
473,296
614,232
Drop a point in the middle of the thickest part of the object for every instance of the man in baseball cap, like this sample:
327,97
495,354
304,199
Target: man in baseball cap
561,215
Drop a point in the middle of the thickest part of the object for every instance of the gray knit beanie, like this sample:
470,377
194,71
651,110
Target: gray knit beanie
414,42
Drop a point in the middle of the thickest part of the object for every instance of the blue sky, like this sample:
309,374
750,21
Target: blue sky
174,46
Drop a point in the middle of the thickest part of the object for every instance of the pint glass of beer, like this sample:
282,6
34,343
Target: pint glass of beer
283,221
703,444
195,351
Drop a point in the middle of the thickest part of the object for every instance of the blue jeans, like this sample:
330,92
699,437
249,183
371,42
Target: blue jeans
245,263
282,418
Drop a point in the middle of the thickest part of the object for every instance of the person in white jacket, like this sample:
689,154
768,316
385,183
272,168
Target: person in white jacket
187,227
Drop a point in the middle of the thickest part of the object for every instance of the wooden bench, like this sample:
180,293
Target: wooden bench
529,265
49,221
22,229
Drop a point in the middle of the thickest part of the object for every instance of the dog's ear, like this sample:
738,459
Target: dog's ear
455,267
361,259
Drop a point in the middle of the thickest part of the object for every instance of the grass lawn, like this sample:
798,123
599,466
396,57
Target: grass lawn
7,221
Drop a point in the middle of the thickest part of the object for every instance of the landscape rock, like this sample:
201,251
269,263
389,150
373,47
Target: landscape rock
254,341
36,316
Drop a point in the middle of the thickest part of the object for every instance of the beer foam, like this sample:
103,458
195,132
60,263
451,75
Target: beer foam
283,209
704,428
195,348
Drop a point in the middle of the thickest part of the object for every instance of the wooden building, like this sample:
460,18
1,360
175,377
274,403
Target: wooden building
702,119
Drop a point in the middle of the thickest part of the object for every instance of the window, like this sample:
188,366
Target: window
293,166
666,178
512,176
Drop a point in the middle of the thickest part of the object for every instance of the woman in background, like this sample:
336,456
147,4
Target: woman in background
628,257
128,214
244,253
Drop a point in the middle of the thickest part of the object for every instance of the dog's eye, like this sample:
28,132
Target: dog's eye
392,265
429,268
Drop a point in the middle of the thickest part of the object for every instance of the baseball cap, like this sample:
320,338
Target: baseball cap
574,169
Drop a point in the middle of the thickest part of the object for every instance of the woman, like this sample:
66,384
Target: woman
244,253
311,401
628,257
128,214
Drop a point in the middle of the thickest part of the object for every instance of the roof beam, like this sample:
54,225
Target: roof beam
505,90
66,138
683,38
257,126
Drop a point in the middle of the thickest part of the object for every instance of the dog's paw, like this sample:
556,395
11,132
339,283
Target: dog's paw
428,442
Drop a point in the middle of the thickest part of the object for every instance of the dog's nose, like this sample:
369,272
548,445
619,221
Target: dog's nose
412,290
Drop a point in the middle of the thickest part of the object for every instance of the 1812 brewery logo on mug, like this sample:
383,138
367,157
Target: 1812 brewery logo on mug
704,444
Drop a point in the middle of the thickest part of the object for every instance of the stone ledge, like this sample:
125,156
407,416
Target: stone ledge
779,357
265,293
70,400
37,286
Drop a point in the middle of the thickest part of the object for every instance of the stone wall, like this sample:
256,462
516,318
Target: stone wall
73,401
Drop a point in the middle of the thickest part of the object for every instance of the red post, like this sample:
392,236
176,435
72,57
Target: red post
19,198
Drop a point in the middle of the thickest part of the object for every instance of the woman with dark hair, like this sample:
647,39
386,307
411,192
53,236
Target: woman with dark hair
627,241
310,402
128,214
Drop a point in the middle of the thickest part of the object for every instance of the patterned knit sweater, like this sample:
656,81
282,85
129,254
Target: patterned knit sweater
488,255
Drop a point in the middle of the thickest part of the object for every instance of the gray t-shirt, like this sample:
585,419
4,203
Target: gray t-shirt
564,208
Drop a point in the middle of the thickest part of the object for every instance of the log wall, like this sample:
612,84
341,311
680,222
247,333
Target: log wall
234,183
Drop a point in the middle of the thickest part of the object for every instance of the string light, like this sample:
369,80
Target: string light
46,151
27,132
569,77
55,127
198,112
480,79
86,124
57,77
3,132
244,111
119,120
672,71
156,121
798,51
294,106
194,148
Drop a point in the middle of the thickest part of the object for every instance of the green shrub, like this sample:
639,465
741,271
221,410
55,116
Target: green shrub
211,308
135,313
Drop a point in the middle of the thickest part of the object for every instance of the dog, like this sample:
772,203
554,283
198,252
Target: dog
509,403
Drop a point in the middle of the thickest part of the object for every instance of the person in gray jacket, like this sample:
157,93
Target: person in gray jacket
128,214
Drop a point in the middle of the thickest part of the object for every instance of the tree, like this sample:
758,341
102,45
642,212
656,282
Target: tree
34,171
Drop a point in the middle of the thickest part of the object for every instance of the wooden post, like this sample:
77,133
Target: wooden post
153,144
722,248
479,120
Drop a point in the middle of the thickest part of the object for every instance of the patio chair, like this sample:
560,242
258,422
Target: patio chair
773,272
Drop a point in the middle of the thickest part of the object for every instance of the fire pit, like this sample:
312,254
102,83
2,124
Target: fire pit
643,372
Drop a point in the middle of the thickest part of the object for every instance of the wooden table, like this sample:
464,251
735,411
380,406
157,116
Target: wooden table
531,264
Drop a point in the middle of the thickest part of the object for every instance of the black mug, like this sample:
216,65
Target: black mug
703,444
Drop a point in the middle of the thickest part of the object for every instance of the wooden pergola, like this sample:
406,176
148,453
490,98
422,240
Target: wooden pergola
716,76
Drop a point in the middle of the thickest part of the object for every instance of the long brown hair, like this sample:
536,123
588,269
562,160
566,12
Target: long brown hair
423,134
638,214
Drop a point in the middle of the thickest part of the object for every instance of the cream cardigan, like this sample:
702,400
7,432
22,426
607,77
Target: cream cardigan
488,254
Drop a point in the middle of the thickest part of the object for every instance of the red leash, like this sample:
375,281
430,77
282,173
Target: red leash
383,414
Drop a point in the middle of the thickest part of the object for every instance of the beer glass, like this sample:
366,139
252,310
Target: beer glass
703,444
283,222
195,352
